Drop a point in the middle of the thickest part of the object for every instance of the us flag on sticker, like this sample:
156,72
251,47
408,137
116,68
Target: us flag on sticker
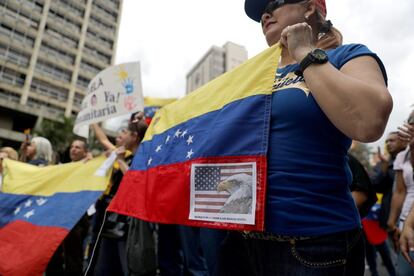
223,188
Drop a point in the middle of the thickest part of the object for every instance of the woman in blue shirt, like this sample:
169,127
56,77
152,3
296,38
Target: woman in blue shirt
322,99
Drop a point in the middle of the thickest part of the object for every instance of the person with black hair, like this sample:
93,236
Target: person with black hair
111,256
68,257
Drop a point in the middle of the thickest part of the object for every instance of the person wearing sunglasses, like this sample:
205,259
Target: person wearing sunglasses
323,98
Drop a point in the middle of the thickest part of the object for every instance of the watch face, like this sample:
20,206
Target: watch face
319,55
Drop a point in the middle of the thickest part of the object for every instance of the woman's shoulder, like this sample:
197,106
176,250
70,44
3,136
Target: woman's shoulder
349,50
344,53
350,47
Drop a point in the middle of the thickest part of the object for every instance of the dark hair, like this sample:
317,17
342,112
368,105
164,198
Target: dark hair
329,37
82,139
139,128
133,115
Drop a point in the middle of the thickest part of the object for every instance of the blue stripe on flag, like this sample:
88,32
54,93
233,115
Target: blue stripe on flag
236,129
61,209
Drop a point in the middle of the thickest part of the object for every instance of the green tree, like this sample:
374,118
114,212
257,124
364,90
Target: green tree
59,133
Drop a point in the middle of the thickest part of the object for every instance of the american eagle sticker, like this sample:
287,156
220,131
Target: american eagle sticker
223,192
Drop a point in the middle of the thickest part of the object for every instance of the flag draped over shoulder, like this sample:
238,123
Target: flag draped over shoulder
39,206
203,159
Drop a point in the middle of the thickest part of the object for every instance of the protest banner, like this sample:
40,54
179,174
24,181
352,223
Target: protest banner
115,91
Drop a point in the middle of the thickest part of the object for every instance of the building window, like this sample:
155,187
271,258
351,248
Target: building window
50,70
61,38
10,33
14,56
93,53
9,96
106,28
57,54
49,90
82,82
99,39
11,77
90,68
68,4
77,100
111,15
52,109
65,22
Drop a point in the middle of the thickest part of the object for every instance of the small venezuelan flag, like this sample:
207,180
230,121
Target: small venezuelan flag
152,105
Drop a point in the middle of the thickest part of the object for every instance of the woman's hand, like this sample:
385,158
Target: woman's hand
395,236
88,157
407,243
108,152
120,153
406,134
298,39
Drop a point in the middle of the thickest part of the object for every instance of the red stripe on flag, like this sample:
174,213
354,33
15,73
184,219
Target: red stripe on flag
25,248
162,194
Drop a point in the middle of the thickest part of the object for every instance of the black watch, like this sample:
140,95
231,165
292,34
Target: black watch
317,56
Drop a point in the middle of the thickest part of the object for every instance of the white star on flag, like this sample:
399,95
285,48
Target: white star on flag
40,201
28,203
190,139
158,148
29,214
177,133
149,161
167,139
184,133
189,153
17,210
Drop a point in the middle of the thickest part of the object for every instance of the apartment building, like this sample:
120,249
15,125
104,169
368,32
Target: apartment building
216,61
49,51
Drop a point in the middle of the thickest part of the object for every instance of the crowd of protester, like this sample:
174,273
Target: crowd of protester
105,243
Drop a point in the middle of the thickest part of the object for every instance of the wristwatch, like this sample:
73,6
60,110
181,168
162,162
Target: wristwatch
317,56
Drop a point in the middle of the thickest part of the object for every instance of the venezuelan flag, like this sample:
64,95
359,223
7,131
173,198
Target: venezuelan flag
39,206
151,105
219,128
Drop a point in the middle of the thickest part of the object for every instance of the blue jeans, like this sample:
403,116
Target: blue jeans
404,268
333,254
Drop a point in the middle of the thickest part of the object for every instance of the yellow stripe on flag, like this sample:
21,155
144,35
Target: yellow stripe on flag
227,88
22,178
150,101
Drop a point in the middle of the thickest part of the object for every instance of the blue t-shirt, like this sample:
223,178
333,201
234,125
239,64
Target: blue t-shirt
308,175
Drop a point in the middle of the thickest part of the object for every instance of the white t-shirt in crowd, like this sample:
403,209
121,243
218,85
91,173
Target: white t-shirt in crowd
403,163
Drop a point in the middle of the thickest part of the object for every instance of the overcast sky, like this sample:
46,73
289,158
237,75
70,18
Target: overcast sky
169,37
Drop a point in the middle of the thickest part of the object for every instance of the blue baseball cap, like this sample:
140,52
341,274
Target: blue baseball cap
255,8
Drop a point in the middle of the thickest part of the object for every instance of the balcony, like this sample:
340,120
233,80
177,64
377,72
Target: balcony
104,16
